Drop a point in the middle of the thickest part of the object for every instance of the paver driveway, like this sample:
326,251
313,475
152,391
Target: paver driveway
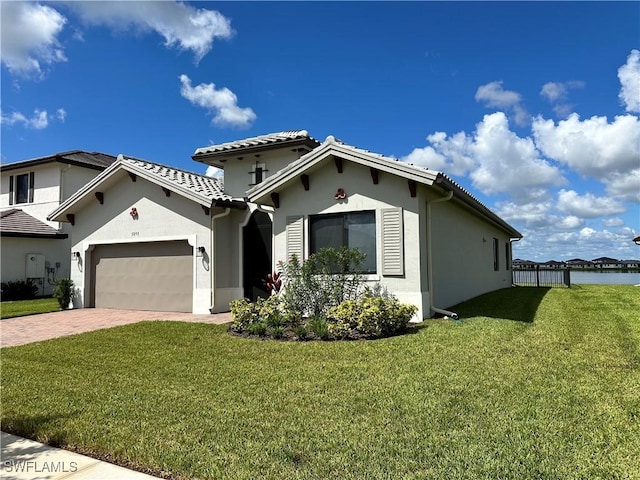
33,328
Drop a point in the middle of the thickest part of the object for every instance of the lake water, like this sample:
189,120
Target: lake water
605,278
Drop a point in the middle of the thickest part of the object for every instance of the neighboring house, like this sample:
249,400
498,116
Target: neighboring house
185,242
579,263
553,264
630,263
605,262
32,246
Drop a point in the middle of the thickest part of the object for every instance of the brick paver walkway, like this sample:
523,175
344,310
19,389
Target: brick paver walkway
33,328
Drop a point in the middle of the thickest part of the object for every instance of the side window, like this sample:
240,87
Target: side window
507,255
496,261
352,230
21,188
258,174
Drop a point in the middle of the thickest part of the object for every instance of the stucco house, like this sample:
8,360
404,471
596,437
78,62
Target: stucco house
32,246
149,236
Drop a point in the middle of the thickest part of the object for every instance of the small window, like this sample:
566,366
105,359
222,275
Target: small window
507,255
258,174
21,188
352,230
496,261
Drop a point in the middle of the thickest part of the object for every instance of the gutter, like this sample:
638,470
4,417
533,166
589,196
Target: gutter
448,313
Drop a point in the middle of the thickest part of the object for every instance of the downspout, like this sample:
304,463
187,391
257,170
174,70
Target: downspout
453,315
212,267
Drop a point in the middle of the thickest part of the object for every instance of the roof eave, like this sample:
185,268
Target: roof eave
211,158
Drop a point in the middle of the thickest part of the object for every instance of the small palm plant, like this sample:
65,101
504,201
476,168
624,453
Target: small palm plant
63,292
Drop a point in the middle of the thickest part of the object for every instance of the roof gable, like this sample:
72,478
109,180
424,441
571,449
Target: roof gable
337,149
206,191
217,154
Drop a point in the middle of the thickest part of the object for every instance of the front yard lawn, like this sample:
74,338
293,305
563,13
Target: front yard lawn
20,308
531,384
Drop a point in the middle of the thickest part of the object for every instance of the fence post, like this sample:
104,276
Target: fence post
567,277
537,275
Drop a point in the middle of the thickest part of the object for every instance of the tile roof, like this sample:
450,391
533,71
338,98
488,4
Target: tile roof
208,187
93,160
16,223
207,191
259,141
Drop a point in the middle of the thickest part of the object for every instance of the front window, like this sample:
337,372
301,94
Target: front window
352,230
21,188
258,174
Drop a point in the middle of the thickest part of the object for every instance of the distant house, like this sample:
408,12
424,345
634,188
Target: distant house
605,262
518,263
32,246
553,264
148,236
577,263
630,263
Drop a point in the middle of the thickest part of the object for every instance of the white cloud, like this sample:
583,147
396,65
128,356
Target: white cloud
61,114
570,223
493,95
592,147
531,215
223,103
613,222
625,186
214,172
181,25
557,92
629,75
29,37
494,157
39,120
587,205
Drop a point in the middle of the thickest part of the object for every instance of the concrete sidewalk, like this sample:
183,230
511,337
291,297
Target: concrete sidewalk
24,459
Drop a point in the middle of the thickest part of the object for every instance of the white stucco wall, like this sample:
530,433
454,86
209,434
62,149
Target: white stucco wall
462,246
160,218
14,251
237,178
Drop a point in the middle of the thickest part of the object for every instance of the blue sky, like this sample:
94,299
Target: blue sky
533,107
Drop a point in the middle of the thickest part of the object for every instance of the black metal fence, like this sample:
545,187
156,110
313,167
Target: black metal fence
541,277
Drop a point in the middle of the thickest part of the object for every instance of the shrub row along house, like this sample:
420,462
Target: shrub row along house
150,236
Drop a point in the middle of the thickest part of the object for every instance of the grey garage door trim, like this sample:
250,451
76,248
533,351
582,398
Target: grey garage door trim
143,276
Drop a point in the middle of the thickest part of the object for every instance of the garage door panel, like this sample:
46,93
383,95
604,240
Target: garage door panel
144,276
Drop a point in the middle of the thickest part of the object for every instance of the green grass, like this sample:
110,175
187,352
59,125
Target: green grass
20,308
531,384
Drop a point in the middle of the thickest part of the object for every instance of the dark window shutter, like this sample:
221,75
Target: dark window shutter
31,186
11,190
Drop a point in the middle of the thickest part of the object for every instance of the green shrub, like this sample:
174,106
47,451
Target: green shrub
325,279
276,332
257,328
372,316
19,290
243,314
63,292
319,327
301,332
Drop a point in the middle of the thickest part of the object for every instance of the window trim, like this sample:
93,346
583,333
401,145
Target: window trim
312,247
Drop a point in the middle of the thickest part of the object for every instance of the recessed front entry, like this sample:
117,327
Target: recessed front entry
143,276
257,257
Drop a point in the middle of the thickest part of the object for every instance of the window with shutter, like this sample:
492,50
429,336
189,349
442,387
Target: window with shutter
295,237
392,241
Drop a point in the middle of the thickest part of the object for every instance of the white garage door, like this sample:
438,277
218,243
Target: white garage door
143,276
